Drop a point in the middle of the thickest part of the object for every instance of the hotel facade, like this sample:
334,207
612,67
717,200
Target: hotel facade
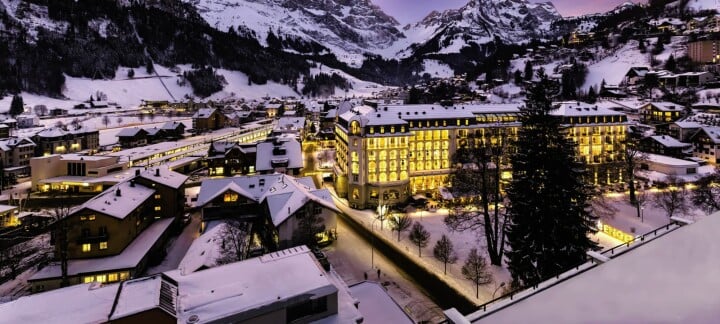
386,153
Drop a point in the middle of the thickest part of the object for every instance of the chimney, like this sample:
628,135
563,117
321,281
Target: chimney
157,172
117,193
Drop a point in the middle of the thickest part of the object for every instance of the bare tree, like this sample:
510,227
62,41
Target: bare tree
10,258
707,193
633,158
420,236
141,117
475,270
309,226
400,222
478,179
75,123
672,199
445,252
119,121
61,228
106,121
233,238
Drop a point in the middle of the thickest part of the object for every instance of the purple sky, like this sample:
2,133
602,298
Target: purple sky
409,11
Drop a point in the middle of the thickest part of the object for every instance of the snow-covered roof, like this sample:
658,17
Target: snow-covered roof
671,161
128,259
668,279
665,106
578,108
668,141
6,208
235,288
10,143
205,250
290,123
284,194
130,197
130,132
286,151
172,125
687,124
83,303
712,132
381,307
164,176
204,113
136,296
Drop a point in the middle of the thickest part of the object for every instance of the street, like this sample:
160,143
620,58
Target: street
351,255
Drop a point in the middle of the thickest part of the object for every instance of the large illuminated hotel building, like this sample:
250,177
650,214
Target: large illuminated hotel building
385,153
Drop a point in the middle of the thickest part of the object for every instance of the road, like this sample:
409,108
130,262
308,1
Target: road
178,246
351,256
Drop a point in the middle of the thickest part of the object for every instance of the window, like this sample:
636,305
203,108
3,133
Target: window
230,197
157,196
103,245
112,277
101,278
124,275
306,309
87,247
91,217
157,208
83,218
88,279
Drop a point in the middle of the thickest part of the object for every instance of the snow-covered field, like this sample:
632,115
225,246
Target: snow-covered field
437,69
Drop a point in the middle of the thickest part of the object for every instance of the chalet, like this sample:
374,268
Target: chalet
273,110
173,130
290,125
15,154
635,75
683,130
660,112
132,137
706,143
55,112
273,203
70,139
665,145
207,119
155,135
110,237
279,155
4,131
230,158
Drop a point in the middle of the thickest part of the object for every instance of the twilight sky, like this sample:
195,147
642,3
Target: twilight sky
410,11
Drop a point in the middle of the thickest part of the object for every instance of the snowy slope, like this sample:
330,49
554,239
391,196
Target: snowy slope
345,27
698,5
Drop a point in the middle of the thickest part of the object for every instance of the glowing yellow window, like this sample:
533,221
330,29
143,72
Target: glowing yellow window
103,245
112,277
124,275
88,279
230,197
101,278
157,208
157,196
91,217
87,247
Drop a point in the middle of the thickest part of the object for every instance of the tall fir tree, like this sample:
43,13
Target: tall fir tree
16,106
549,199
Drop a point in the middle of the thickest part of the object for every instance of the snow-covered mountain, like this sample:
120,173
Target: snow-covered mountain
343,26
481,21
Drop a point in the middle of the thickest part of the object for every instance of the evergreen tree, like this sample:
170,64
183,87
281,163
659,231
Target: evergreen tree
445,252
16,106
549,200
641,46
131,73
420,236
517,76
528,71
592,95
670,64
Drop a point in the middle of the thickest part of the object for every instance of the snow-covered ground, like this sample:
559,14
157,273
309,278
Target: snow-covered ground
437,69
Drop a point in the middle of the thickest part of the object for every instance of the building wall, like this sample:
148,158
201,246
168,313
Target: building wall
120,232
167,202
704,51
47,167
383,165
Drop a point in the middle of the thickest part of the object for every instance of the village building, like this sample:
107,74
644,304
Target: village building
66,139
75,173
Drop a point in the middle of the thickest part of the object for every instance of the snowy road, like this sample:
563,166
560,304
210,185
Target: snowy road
178,247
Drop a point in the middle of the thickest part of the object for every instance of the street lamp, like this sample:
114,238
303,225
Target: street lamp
642,214
502,284
381,210
372,243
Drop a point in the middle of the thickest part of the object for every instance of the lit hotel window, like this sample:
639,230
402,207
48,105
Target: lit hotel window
86,247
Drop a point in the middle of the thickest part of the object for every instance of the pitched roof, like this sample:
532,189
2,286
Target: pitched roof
164,176
204,113
283,194
130,132
118,206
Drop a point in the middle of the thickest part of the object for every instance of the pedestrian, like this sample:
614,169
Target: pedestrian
378,271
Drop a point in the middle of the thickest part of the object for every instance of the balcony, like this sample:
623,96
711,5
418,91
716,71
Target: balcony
93,239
